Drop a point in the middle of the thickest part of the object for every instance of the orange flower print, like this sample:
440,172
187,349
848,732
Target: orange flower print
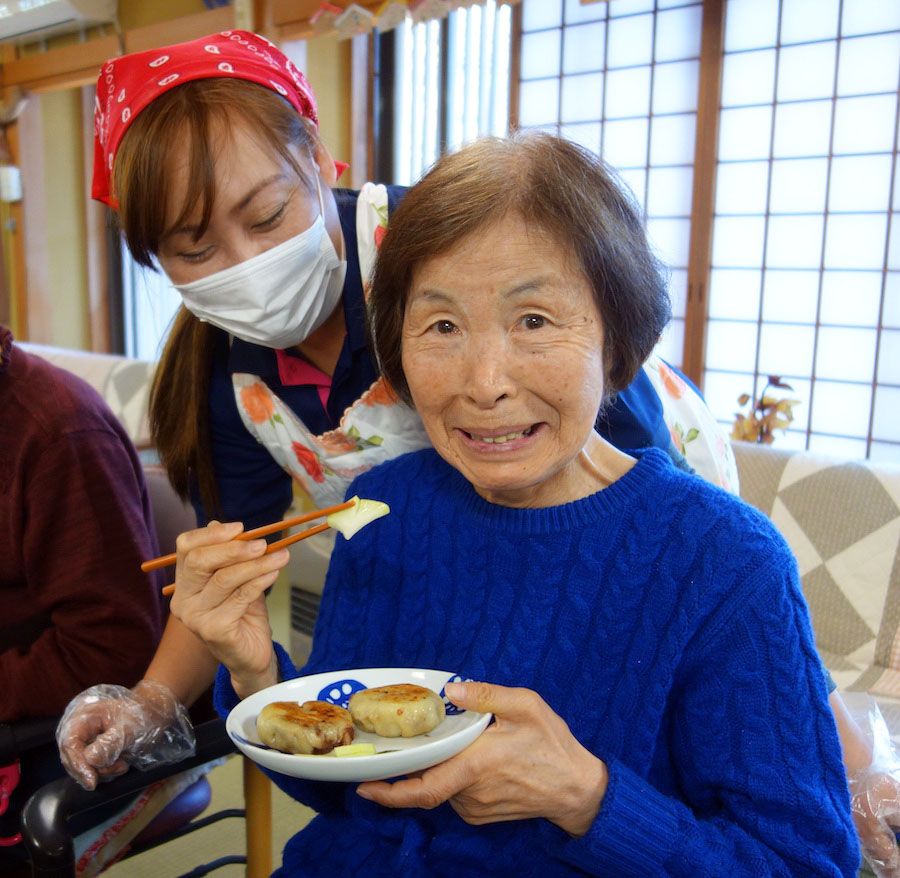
673,382
680,439
380,393
257,402
337,442
380,232
308,460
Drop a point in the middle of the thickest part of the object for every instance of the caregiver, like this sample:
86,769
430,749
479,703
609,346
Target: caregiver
639,635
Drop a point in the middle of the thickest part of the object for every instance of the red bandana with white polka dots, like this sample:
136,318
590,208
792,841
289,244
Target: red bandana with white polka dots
128,84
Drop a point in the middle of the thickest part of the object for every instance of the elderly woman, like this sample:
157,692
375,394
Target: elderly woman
210,153
638,634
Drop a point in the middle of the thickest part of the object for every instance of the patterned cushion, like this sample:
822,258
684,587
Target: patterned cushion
842,520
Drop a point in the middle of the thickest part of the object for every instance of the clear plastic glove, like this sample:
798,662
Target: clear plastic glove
107,728
875,793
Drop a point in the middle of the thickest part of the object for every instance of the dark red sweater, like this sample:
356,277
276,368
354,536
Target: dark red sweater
75,523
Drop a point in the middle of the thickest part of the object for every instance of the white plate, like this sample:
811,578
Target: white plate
455,733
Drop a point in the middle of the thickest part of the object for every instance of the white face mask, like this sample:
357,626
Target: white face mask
279,297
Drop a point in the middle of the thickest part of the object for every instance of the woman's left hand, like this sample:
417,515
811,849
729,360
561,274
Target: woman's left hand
526,764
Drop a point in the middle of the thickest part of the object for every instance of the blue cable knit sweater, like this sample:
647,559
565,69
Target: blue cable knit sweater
661,618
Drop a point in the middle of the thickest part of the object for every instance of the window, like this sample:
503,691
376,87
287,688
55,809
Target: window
804,281
805,245
621,78
451,85
149,305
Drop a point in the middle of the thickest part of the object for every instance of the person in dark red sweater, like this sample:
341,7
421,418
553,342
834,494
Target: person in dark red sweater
75,524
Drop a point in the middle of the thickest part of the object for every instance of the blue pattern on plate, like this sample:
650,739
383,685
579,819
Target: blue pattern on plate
449,706
339,692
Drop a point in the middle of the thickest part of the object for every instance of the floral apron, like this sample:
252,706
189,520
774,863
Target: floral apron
376,428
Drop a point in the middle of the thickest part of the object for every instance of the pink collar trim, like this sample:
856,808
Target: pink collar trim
293,371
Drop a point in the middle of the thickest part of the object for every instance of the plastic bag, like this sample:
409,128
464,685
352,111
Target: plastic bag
875,789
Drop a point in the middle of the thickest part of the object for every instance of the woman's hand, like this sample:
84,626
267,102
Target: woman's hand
526,764
873,772
219,595
875,800
107,728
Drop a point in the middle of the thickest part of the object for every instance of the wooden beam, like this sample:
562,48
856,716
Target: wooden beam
178,30
78,64
13,235
7,283
6,303
96,260
704,189
258,798
515,67
32,232
65,67
361,103
262,19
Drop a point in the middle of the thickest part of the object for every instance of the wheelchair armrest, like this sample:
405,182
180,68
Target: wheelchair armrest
23,735
45,829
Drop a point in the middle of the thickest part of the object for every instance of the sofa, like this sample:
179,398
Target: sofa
840,517
842,521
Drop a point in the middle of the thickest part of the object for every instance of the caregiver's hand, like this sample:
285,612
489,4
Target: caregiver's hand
875,802
526,764
219,595
107,728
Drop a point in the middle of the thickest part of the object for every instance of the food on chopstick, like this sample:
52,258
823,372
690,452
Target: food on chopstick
399,710
312,727
354,518
359,513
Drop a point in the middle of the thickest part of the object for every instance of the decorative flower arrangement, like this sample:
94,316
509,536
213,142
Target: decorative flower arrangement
766,414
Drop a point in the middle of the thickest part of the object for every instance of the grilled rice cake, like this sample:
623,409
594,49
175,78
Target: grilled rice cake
399,710
312,727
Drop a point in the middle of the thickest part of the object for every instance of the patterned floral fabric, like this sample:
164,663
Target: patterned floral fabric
695,432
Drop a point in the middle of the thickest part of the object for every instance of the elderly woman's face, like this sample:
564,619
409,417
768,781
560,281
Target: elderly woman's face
503,353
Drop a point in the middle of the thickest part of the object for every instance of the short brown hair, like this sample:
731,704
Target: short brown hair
188,113
555,185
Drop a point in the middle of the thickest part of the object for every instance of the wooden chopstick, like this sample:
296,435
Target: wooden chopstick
280,544
166,560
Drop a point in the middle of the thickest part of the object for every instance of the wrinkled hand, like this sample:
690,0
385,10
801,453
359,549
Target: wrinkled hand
107,728
526,764
875,800
219,595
